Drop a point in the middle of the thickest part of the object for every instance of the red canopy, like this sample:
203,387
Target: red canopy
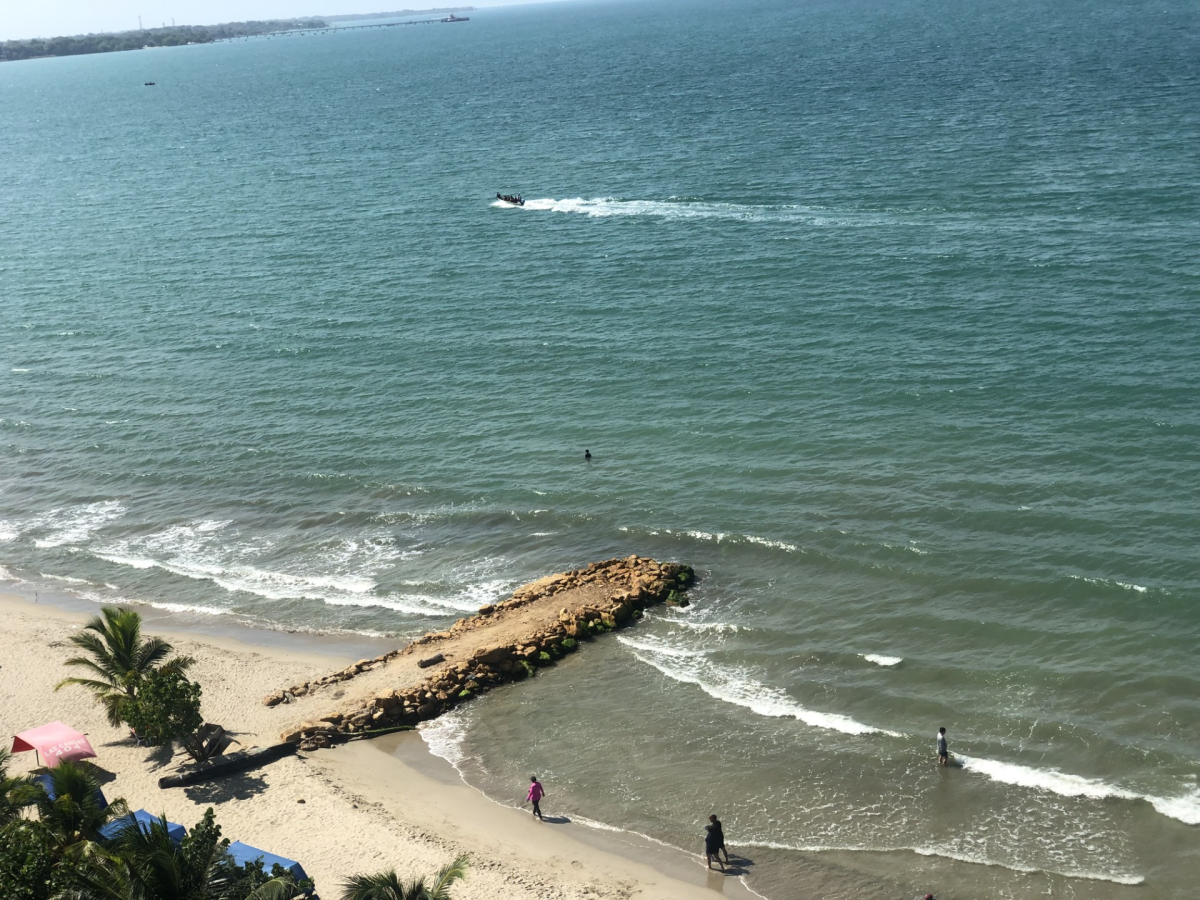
55,742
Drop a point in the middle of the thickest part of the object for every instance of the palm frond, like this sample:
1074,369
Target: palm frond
447,875
380,886
90,683
150,653
282,888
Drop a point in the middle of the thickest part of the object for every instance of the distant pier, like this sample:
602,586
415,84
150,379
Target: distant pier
301,32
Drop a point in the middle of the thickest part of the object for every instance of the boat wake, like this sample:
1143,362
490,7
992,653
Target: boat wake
687,208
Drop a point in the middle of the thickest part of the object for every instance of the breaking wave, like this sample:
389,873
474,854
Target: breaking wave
882,660
74,525
1185,808
737,686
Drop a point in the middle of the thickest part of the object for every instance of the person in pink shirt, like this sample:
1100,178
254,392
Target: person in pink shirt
536,793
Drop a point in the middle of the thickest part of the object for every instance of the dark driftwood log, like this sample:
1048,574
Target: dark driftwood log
227,765
432,661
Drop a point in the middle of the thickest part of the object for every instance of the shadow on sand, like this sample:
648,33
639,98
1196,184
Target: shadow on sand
241,786
737,865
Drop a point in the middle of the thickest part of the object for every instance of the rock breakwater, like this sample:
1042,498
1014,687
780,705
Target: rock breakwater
541,623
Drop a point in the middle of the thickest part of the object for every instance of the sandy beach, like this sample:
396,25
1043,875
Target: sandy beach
361,807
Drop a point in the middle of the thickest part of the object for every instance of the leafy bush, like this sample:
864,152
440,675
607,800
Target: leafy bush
27,869
166,708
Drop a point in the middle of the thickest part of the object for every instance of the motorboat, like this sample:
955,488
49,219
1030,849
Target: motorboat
514,199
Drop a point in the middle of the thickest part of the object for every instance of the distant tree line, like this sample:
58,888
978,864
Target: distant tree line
151,37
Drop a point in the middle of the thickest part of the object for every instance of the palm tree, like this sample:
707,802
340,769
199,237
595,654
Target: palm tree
144,863
387,886
119,659
10,804
77,812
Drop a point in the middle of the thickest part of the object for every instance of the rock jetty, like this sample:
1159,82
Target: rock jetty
541,623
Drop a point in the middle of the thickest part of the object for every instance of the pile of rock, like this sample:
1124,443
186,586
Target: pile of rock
301,690
617,590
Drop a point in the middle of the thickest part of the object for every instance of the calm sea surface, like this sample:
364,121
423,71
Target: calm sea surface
884,315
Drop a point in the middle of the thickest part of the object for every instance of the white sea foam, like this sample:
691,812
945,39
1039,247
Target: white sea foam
339,573
882,660
727,627
1043,779
1185,808
8,575
722,537
20,370
74,525
67,579
444,736
1103,582
199,609
1114,877
650,646
778,545
8,532
948,853
735,685
705,535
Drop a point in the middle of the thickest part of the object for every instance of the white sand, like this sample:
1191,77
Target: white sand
364,809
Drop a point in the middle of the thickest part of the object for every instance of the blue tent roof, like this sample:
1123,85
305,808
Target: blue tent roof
244,853
47,784
143,819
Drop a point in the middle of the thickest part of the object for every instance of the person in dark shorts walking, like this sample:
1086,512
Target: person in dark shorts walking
536,793
943,750
714,842
716,823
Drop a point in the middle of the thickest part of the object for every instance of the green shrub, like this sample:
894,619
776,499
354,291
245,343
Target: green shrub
528,668
27,870
569,644
544,659
166,708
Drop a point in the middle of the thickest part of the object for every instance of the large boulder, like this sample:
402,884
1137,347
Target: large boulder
492,656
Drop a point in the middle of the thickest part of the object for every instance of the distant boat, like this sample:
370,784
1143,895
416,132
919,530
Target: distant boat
453,18
149,84
514,199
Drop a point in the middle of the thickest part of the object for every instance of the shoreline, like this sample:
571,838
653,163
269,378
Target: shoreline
412,809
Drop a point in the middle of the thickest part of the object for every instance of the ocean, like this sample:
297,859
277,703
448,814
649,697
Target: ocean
881,314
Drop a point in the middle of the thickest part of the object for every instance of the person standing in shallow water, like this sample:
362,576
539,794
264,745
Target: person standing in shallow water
587,454
536,793
720,834
943,750
714,841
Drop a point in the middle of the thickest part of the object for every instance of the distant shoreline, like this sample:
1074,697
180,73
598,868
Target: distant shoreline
184,35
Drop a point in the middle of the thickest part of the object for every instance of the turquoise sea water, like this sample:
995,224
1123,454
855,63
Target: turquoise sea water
881,314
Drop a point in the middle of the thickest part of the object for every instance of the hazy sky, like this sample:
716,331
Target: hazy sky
49,18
